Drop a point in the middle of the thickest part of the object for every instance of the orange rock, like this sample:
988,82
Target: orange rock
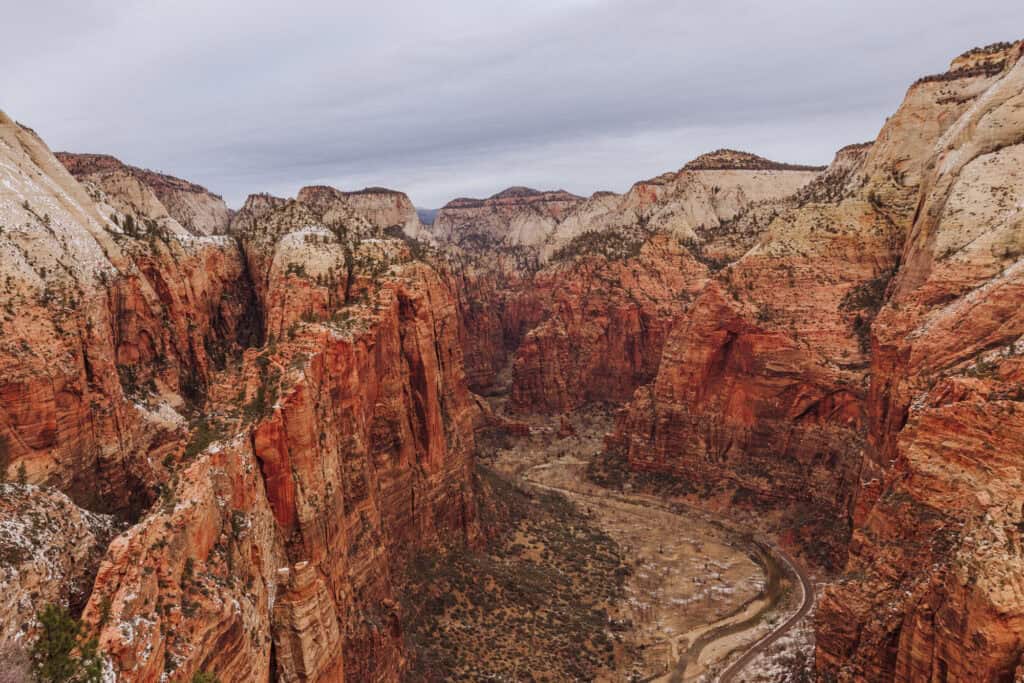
932,581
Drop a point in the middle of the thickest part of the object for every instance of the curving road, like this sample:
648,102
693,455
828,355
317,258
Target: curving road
761,645
783,558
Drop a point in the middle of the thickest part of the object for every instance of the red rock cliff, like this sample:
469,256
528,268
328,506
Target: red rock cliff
932,588
112,311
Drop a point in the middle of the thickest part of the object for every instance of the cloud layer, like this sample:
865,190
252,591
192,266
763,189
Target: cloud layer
466,97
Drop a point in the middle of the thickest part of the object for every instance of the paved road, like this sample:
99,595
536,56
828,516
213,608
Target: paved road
761,645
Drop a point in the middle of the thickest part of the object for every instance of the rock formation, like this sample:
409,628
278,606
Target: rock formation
932,585
707,191
760,385
351,449
516,216
584,305
196,209
114,317
278,485
49,552
606,324
281,412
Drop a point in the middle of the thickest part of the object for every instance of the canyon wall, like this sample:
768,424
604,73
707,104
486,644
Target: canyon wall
606,322
932,589
194,207
342,446
274,550
768,387
113,315
582,309
280,414
516,216
272,489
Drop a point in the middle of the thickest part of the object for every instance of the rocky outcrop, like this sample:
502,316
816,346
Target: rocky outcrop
760,385
283,413
114,317
585,305
497,307
381,207
280,485
516,216
711,189
763,388
308,638
931,589
191,206
274,550
49,552
606,324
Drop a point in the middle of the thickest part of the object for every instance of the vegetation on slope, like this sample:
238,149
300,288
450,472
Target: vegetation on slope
532,605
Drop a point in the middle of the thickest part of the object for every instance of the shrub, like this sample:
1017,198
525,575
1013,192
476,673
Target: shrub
869,295
612,244
205,434
697,249
61,654
418,249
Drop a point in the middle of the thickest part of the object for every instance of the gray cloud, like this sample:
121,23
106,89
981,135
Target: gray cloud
467,97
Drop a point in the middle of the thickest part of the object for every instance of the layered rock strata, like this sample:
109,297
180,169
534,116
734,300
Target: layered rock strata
931,591
352,449
114,317
192,206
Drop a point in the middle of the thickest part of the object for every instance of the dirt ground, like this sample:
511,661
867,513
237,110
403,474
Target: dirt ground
695,595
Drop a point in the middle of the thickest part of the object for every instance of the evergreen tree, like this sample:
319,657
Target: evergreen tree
61,654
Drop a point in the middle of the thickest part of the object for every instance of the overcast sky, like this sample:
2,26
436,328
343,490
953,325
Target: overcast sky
465,97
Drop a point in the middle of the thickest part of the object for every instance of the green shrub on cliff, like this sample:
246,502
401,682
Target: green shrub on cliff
61,654
611,244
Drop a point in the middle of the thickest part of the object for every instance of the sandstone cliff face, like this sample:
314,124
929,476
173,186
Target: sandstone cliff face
49,552
273,552
759,388
381,207
516,216
584,306
763,387
287,408
932,587
282,484
111,314
606,324
497,307
706,192
193,207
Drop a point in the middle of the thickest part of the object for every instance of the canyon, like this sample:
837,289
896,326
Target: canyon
244,443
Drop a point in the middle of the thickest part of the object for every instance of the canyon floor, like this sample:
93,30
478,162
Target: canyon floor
689,595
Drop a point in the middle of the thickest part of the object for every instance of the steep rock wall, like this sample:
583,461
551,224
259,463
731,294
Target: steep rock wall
932,586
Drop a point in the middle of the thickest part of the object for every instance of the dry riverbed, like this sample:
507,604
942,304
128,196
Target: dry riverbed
699,592
581,582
